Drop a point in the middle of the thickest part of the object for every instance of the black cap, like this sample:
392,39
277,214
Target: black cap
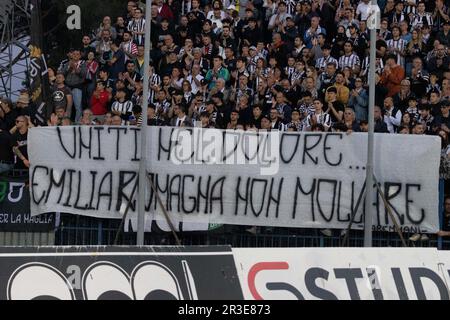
326,46
296,109
265,115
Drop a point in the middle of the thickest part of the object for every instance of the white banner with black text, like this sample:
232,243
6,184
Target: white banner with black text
312,180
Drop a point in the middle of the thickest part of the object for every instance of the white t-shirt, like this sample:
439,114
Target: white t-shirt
364,10
194,86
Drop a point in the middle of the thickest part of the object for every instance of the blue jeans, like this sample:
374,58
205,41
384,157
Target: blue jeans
90,88
77,95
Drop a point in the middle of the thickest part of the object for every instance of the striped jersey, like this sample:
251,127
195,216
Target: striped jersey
397,18
349,61
137,25
321,63
366,64
300,125
291,4
131,48
321,118
123,108
420,20
308,108
289,71
155,80
297,75
410,8
399,44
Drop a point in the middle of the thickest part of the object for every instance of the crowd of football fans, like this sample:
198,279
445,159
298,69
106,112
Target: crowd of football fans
252,65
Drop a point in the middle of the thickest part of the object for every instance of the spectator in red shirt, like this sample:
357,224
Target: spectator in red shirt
164,10
392,76
99,100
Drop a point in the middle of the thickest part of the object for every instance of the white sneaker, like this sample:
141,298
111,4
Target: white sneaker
424,237
343,232
326,232
415,237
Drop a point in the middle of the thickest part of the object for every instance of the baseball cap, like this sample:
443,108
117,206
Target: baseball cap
231,7
252,48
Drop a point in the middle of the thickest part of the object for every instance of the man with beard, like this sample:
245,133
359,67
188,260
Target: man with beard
61,95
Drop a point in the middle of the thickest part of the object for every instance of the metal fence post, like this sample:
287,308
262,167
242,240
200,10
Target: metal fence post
441,210
100,233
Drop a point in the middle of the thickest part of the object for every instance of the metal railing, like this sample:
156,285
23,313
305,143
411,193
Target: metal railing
78,230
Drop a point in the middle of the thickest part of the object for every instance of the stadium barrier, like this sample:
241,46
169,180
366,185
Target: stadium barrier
343,274
126,273
219,272
79,230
